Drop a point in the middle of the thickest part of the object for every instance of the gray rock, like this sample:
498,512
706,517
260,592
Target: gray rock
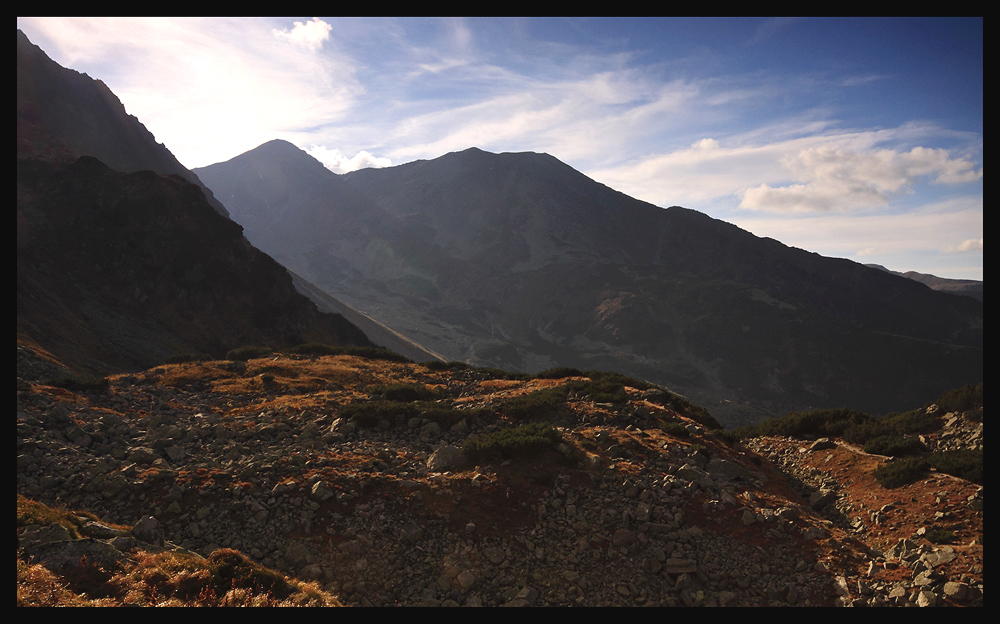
148,530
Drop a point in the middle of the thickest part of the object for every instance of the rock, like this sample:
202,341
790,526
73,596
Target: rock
148,530
445,458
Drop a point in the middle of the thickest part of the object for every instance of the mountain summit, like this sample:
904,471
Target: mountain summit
517,260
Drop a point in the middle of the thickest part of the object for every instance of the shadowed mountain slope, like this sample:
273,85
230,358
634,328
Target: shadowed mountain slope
519,261
63,114
120,269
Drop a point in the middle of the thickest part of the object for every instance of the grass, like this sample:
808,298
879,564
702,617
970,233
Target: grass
225,578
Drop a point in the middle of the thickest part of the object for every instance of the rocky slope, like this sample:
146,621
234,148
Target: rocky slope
635,504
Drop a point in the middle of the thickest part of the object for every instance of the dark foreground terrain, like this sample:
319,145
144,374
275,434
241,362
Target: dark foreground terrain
386,483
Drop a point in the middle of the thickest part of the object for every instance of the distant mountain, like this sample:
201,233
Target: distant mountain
519,261
968,288
118,270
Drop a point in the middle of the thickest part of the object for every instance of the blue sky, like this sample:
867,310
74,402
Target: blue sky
854,138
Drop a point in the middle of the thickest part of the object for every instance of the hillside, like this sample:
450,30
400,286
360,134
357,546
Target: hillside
349,472
518,261
123,258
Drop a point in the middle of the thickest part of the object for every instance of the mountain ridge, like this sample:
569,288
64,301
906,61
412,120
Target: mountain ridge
121,269
518,261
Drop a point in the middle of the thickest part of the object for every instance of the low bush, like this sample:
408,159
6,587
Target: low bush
940,536
511,442
561,372
964,399
894,445
900,472
402,392
674,429
368,413
534,404
965,464
818,423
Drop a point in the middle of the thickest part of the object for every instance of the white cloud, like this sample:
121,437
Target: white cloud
310,35
973,244
843,180
210,88
336,162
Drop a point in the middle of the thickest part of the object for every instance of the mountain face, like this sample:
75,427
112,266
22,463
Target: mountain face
519,261
63,114
120,269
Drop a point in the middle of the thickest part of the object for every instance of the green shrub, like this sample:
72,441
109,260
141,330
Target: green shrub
368,413
511,442
405,393
561,372
940,536
674,429
965,464
818,423
894,445
534,404
900,472
964,399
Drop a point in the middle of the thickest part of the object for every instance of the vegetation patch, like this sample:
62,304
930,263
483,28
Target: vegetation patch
966,464
940,536
894,446
900,472
183,358
511,442
369,353
402,392
534,404
965,399
675,429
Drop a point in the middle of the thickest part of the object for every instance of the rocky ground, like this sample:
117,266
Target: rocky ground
254,456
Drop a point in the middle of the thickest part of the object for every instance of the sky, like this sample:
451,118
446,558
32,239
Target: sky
852,138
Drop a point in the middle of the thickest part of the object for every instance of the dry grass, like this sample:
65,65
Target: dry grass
225,578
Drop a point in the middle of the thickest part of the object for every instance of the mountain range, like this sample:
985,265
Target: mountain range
512,260
518,261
